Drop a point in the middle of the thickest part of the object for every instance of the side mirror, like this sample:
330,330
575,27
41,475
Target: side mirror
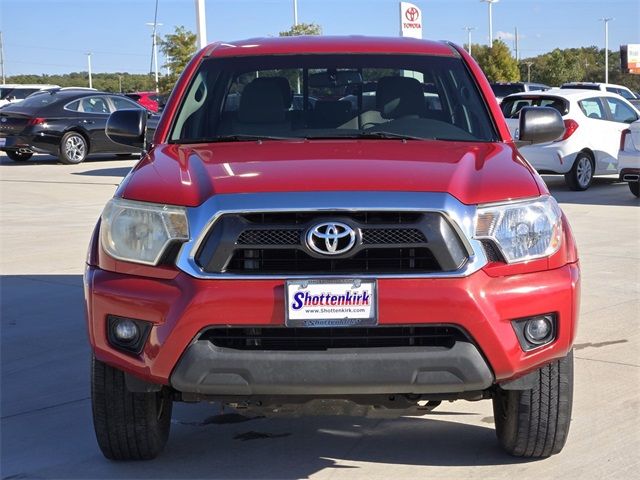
128,127
540,125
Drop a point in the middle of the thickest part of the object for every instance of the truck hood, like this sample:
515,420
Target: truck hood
472,172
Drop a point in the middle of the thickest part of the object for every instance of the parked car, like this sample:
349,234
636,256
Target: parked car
327,260
502,89
629,157
589,146
14,92
149,100
621,90
67,123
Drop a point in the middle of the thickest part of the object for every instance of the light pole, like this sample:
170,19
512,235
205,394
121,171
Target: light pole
155,25
490,2
528,64
201,22
89,63
606,21
468,29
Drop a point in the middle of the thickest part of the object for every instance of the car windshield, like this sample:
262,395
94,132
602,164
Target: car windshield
511,106
504,90
36,101
16,93
332,96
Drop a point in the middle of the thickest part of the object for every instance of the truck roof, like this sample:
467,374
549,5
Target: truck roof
329,44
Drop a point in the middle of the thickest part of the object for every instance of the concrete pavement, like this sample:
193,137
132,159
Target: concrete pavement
47,212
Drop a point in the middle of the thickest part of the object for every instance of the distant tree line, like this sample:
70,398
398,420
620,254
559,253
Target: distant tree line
552,68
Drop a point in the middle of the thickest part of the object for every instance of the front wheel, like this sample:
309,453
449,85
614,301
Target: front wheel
635,188
535,423
18,156
73,148
580,176
128,425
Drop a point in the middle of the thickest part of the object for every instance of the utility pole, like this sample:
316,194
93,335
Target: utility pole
89,63
155,25
468,29
490,2
4,80
201,22
295,12
528,64
120,83
606,21
517,52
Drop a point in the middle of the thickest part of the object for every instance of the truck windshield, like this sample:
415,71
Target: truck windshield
332,96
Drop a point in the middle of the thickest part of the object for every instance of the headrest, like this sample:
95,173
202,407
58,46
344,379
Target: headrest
399,96
265,100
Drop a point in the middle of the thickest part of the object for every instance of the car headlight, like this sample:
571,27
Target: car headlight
522,230
141,232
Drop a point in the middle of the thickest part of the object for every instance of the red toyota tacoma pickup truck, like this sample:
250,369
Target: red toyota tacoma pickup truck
332,225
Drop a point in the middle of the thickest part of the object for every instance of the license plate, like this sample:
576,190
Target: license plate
331,303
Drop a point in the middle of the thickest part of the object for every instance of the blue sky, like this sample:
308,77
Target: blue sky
52,36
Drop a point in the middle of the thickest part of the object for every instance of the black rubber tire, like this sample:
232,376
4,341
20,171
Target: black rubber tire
17,156
64,157
571,177
535,423
128,426
635,188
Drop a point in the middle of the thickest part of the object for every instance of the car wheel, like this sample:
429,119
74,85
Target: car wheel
635,188
580,176
18,156
128,425
535,423
73,148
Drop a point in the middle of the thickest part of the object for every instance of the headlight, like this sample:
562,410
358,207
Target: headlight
140,232
522,230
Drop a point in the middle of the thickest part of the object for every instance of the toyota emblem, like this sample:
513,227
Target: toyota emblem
412,14
331,238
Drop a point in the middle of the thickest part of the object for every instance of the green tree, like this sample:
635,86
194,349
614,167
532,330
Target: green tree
178,48
496,62
303,29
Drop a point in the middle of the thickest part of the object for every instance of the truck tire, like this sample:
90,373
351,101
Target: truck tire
128,426
535,423
580,176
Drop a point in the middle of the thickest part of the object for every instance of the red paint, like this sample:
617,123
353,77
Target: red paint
472,172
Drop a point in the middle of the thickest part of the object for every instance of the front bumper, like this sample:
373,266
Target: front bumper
210,370
181,307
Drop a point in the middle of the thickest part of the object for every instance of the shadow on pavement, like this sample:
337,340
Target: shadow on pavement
603,191
45,403
105,172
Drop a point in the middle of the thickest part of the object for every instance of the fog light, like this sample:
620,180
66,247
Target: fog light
535,331
126,331
127,334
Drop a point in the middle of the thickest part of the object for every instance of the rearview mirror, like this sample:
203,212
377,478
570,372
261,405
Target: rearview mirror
128,127
334,78
539,125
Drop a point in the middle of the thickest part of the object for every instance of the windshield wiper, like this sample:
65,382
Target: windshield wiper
237,137
366,134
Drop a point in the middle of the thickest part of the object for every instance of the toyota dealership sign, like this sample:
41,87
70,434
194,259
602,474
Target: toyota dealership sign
410,20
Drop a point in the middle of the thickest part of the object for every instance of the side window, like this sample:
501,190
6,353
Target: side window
592,108
621,112
73,106
94,105
121,103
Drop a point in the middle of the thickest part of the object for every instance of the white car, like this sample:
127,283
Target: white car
629,157
14,92
593,121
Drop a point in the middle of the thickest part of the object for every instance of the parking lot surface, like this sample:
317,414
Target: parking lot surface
47,212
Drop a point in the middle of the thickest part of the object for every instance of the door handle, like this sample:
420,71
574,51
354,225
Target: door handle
87,122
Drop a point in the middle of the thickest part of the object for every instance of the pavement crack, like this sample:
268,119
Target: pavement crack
48,407
580,346
60,183
608,361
